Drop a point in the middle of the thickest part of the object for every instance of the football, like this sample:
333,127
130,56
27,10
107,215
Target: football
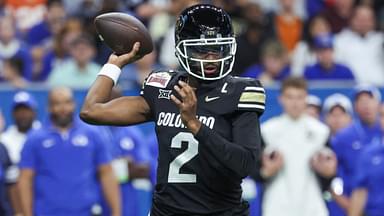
120,31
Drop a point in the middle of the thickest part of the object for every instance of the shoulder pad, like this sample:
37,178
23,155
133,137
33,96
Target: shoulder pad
252,94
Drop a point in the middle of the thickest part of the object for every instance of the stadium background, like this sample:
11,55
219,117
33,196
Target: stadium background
159,15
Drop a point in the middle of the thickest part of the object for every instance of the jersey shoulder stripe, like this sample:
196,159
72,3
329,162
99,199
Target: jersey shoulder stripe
252,96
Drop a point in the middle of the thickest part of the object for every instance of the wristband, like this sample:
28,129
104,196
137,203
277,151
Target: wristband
111,71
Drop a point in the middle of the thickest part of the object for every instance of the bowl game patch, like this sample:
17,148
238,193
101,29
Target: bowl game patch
159,80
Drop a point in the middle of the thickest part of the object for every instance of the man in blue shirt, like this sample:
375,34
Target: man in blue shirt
60,164
349,142
5,162
131,164
367,196
326,68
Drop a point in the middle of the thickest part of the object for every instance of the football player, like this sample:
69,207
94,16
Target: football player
207,122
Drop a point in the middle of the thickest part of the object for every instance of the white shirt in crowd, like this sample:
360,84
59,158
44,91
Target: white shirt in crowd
295,190
364,55
302,57
14,140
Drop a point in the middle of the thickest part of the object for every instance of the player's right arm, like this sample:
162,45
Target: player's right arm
97,109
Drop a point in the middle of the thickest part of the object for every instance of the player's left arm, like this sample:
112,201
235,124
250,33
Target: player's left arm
110,188
241,154
358,202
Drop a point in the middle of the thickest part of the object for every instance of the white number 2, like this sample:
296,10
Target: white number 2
174,175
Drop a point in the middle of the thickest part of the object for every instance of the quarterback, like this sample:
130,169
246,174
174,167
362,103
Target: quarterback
207,122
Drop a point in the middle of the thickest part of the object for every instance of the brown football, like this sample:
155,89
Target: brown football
120,31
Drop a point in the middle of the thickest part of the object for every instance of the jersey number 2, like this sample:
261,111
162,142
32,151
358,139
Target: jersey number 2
174,175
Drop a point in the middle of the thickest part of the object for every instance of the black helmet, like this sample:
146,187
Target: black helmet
205,43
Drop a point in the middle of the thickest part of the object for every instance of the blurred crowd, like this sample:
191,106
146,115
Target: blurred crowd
55,42
286,44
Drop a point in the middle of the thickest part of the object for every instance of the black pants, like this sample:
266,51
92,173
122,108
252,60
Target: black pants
161,210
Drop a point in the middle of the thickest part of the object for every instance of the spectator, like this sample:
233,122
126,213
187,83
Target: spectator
314,106
314,7
250,41
166,52
79,71
40,37
300,140
286,25
24,115
42,33
131,160
304,53
275,5
26,13
360,47
56,56
12,73
274,66
12,48
130,163
367,195
61,162
337,112
134,74
338,14
2,122
349,142
326,68
5,208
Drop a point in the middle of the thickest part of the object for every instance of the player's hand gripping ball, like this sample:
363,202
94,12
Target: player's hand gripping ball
120,31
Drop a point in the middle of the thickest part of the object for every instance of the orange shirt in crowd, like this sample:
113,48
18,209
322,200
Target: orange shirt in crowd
24,3
288,30
26,13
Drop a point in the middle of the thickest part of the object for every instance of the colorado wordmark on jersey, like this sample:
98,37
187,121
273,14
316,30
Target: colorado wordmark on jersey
201,174
174,120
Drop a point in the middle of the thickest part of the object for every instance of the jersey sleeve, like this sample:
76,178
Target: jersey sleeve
361,177
241,154
102,154
29,153
252,97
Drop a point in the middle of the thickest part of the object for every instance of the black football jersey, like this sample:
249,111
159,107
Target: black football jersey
199,175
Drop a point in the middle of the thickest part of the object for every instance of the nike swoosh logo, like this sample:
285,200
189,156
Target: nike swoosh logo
209,99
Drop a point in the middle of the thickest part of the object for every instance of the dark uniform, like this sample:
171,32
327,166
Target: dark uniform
201,175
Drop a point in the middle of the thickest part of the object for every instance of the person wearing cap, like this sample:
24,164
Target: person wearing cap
337,111
326,68
131,163
313,106
24,116
368,187
349,142
65,164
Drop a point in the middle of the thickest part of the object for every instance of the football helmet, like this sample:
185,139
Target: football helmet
205,42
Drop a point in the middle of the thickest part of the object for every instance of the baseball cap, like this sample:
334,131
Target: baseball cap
323,41
25,99
337,99
366,88
313,100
